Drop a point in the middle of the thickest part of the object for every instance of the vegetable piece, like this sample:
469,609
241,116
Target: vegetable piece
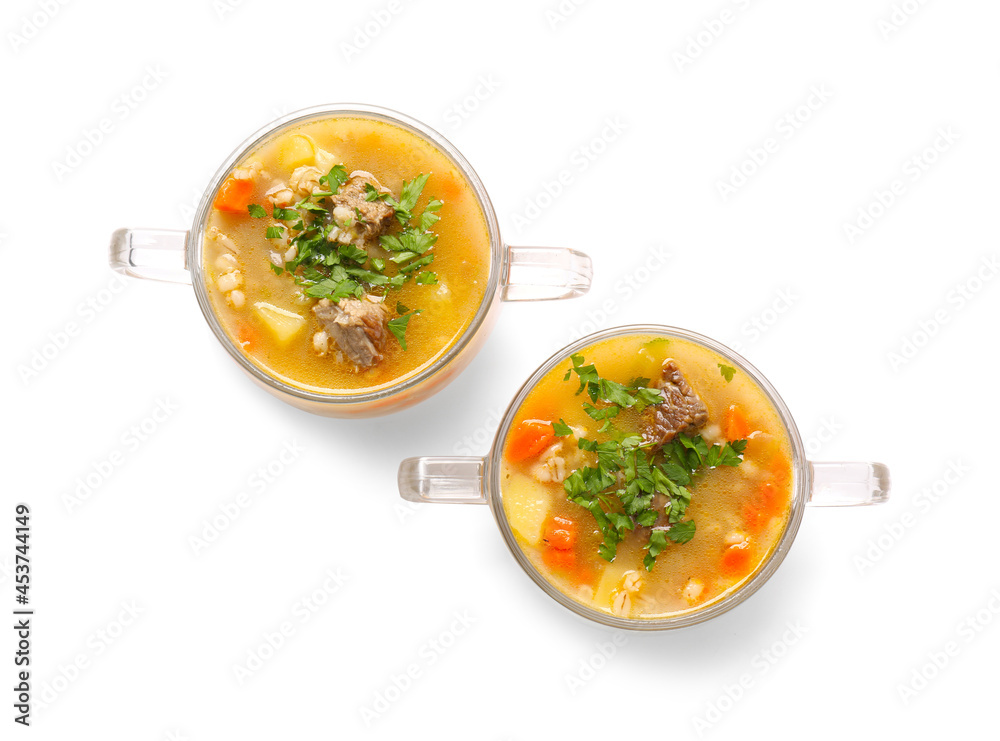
527,508
560,533
727,371
247,336
735,425
295,150
762,506
780,468
234,196
283,324
528,439
736,560
559,560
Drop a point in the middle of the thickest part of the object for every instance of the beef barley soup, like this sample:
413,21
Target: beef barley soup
645,478
345,255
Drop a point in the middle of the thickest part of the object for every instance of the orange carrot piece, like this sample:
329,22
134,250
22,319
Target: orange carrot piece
247,337
560,533
735,425
559,560
780,468
762,506
736,561
529,439
234,196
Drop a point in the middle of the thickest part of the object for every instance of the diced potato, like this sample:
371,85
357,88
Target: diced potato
612,579
527,507
283,324
296,150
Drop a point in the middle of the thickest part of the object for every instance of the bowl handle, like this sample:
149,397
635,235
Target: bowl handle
848,484
158,254
545,273
454,480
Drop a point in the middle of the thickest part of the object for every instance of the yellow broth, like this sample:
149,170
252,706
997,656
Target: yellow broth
462,255
726,502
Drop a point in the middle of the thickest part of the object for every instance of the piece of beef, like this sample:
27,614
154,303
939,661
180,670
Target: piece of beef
376,216
681,410
358,326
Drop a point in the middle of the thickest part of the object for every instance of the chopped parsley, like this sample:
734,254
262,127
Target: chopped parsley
327,268
635,483
727,372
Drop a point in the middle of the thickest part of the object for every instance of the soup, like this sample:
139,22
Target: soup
345,255
645,478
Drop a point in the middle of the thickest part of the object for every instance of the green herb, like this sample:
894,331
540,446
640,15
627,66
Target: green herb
636,484
398,325
727,372
334,179
561,429
329,269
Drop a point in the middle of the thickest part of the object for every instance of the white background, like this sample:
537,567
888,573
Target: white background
647,110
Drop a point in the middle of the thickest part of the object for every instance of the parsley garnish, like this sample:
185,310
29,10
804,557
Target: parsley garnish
398,325
635,484
727,372
329,269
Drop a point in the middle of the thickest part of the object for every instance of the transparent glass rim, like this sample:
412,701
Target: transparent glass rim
800,489
356,110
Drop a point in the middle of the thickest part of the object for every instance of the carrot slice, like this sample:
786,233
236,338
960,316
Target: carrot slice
780,468
559,560
529,439
735,425
234,195
247,336
762,506
736,561
559,533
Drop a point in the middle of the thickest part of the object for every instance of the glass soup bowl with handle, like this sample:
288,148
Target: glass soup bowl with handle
511,274
708,365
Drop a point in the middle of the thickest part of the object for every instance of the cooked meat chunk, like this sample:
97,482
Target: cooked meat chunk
681,410
376,216
358,326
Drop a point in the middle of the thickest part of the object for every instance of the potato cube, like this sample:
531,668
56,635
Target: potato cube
283,324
